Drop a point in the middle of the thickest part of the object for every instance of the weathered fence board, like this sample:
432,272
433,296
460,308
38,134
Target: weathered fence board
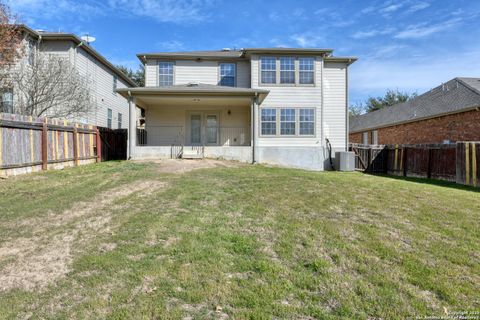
451,162
28,144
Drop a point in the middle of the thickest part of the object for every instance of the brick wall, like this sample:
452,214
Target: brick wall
456,127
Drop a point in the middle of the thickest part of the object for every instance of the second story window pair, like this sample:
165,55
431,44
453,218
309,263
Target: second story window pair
287,70
165,71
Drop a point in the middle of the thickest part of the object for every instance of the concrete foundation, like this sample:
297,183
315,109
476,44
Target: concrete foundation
310,158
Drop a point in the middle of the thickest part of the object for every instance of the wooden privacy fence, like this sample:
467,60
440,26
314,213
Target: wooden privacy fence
31,144
456,162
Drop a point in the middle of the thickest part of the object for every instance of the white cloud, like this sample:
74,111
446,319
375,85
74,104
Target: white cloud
417,7
172,45
307,40
391,8
374,75
178,11
423,30
372,33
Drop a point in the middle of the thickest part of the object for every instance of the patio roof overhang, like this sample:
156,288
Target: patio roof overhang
192,91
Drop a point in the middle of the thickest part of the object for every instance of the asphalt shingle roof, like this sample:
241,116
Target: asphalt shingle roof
455,95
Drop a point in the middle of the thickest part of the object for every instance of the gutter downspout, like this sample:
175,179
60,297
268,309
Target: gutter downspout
252,116
129,134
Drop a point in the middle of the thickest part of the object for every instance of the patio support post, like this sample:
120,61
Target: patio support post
132,126
252,127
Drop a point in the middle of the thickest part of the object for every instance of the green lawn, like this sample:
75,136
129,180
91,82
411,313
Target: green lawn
139,240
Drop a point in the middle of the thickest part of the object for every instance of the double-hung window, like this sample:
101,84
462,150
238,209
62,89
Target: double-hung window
109,118
115,83
306,71
165,71
227,74
6,100
119,120
287,70
269,121
307,121
287,122
269,70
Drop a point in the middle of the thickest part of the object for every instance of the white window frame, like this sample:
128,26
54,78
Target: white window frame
6,105
365,137
220,76
278,123
115,83
275,122
160,74
268,70
290,71
313,122
375,137
281,121
278,70
300,71
109,118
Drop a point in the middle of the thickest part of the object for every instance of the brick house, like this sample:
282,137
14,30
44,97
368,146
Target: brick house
449,112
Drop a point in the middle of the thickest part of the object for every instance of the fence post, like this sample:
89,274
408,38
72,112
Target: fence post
405,161
99,146
75,145
429,163
45,145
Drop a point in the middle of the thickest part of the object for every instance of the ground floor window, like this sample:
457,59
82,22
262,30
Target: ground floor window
288,121
120,120
269,121
374,137
365,138
6,100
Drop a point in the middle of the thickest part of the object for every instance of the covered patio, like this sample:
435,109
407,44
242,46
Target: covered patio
193,121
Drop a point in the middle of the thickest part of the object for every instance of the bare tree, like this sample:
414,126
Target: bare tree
11,45
51,86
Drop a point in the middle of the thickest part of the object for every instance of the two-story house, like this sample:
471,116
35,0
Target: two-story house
273,105
110,109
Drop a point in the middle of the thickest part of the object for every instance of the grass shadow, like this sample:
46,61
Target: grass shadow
433,182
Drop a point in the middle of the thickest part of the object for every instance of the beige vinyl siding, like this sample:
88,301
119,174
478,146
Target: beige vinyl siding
187,71
101,84
243,74
151,73
290,97
164,124
335,100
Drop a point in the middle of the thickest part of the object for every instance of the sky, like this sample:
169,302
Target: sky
410,45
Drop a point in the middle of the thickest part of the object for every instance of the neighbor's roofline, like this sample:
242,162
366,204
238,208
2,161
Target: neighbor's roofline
77,40
438,115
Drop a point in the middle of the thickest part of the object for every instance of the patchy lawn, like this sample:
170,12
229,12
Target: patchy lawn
157,240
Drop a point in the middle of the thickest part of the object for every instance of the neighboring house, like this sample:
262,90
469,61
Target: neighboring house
447,113
110,108
273,105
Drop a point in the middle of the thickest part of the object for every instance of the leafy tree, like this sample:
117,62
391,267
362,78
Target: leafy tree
390,98
138,76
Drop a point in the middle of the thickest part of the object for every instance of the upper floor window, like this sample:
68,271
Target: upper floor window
109,118
287,70
306,72
269,70
31,52
6,100
165,71
227,74
115,83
